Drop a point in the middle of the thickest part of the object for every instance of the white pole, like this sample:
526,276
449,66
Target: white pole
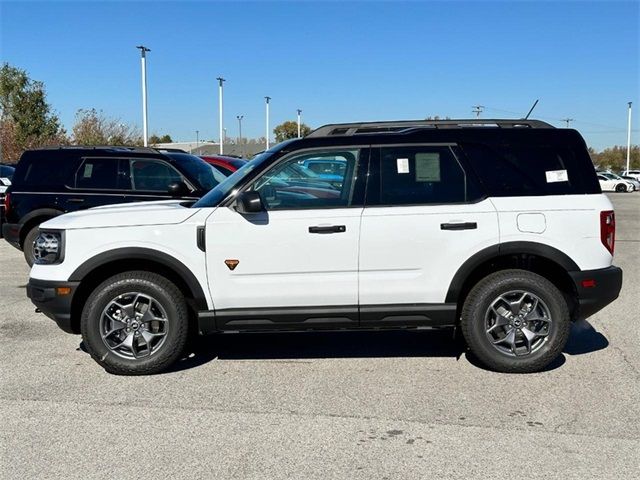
221,134
267,129
143,61
299,122
629,137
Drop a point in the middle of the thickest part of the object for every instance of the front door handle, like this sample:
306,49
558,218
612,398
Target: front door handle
459,226
76,200
328,229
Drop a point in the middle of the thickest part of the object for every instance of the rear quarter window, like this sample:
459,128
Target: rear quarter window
532,169
45,169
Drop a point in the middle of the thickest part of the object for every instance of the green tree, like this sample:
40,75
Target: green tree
92,127
289,129
615,158
153,139
27,120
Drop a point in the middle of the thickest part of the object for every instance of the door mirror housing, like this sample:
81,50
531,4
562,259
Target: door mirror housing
177,189
249,202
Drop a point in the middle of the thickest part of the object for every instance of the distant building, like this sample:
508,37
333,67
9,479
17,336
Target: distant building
212,148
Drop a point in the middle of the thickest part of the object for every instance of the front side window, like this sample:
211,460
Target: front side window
291,185
153,175
422,175
98,174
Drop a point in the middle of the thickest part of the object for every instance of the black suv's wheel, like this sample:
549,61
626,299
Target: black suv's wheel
27,246
515,321
135,323
621,187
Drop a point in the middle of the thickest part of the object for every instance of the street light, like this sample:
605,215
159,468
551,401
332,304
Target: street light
197,140
628,136
299,120
143,61
267,129
220,80
240,117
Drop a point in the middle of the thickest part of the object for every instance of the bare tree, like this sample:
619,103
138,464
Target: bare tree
93,127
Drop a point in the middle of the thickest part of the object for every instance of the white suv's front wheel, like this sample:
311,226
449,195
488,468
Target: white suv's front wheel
135,323
515,321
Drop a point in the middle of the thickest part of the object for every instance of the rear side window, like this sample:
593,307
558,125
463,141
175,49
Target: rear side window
521,170
153,175
98,174
422,175
45,169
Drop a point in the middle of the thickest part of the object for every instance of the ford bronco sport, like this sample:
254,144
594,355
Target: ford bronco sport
496,226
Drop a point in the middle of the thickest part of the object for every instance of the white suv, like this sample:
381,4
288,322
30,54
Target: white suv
498,227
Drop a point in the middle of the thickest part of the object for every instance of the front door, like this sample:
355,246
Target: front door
294,265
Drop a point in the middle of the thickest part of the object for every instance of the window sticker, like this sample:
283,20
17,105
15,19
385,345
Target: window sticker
554,176
403,165
428,167
88,170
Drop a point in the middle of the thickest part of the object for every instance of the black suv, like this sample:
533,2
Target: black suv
52,181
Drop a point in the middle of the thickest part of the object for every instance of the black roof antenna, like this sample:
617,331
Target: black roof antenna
534,106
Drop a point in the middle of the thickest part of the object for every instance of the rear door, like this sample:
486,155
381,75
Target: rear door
97,181
424,216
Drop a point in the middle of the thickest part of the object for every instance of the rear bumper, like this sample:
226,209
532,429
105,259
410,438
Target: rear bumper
596,289
11,233
44,295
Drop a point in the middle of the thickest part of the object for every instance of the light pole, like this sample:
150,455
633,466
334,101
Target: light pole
240,117
628,136
299,122
197,140
143,61
267,129
567,120
220,81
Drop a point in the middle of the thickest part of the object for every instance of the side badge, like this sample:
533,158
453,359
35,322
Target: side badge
232,264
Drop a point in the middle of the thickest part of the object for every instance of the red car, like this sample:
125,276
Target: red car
226,165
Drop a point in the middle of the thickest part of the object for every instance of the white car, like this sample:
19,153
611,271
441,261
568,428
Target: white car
631,173
610,182
503,232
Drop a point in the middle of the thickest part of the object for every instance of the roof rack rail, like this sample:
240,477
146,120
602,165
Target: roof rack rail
403,126
101,147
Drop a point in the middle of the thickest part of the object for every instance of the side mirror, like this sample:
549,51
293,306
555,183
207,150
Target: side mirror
249,202
177,189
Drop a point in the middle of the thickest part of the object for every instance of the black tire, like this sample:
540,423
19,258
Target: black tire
621,188
164,293
476,308
27,246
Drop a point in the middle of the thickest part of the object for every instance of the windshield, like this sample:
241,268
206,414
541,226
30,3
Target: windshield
215,196
198,170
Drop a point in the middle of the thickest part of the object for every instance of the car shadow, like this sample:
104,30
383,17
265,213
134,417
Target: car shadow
584,338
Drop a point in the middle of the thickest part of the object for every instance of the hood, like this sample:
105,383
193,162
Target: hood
164,212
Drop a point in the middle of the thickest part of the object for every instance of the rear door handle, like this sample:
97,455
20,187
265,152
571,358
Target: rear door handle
459,226
76,200
328,229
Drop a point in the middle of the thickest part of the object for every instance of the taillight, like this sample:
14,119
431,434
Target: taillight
608,229
7,203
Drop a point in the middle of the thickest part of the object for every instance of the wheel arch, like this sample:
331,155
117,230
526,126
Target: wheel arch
36,217
539,258
94,271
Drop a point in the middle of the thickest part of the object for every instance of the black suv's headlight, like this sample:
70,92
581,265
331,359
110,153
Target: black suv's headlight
49,248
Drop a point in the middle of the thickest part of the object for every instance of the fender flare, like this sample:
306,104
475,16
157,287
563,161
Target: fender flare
138,253
503,249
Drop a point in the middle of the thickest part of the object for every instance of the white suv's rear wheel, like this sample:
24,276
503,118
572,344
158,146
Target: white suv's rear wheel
135,323
515,321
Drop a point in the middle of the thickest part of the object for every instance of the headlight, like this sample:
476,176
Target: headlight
48,248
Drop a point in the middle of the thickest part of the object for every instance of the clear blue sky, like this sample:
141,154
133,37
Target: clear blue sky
337,61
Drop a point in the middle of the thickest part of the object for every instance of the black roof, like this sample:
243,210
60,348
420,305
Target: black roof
404,126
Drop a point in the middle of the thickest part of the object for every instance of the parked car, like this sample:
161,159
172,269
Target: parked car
631,173
634,182
6,173
226,165
612,183
53,181
497,227
329,169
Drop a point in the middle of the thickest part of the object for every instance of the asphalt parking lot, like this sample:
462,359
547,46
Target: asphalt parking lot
383,405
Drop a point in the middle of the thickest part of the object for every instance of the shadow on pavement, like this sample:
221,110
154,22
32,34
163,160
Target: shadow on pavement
585,339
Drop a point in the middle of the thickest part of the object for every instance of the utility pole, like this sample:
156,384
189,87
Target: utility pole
240,117
299,122
197,140
267,129
143,61
220,81
628,136
567,120
477,109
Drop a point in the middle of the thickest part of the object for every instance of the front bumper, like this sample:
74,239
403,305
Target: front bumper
596,289
45,296
11,233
